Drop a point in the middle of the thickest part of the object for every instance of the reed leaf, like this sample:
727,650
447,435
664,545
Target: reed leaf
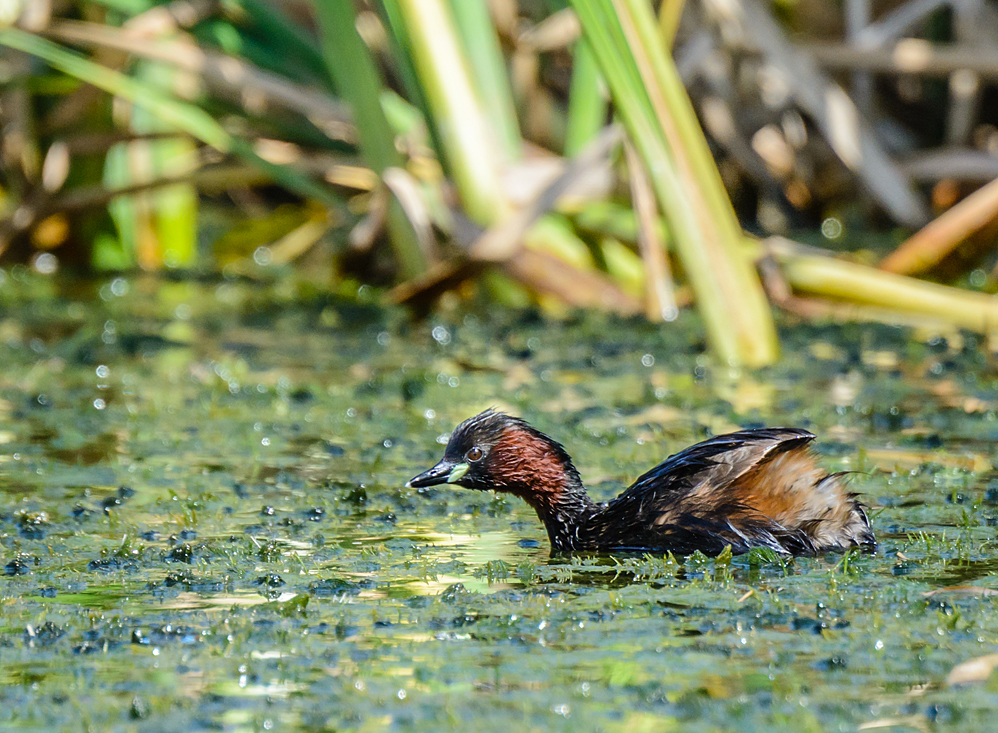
587,104
157,227
183,116
352,68
661,122
277,34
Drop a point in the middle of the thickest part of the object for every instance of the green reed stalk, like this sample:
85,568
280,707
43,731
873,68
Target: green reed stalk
352,68
669,15
159,227
587,104
481,44
466,139
469,144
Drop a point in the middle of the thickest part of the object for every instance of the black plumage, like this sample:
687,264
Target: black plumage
751,488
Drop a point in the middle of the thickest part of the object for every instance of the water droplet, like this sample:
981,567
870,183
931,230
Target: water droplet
119,287
99,404
562,710
46,263
441,335
831,228
263,256
648,360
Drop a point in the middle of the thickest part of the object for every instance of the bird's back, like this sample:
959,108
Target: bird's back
752,488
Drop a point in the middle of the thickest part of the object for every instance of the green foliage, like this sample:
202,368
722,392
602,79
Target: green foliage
217,115
168,110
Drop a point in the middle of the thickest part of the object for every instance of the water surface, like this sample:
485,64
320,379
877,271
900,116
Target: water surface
203,523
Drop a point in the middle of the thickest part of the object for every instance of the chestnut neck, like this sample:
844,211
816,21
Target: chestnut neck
528,464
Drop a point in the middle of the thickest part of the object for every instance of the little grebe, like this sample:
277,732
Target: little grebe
753,488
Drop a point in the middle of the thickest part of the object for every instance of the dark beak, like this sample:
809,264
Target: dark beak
442,473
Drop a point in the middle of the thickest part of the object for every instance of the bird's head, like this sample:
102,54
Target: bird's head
494,451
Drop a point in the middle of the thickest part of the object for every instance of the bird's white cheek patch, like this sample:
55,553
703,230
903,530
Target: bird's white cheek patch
457,473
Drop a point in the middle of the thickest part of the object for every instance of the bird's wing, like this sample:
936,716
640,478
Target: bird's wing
689,499
702,472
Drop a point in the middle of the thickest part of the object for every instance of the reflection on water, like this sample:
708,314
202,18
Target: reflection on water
203,522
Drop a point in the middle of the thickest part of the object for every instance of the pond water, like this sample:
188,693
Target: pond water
203,523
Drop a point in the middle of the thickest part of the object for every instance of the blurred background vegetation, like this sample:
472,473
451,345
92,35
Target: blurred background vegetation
836,160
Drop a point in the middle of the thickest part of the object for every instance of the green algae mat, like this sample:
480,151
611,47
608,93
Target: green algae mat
203,524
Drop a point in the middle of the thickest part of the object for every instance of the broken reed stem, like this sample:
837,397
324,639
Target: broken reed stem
660,296
876,294
842,280
933,242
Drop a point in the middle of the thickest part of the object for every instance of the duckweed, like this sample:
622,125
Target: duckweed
203,523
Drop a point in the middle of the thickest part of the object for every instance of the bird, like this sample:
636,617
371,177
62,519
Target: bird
757,488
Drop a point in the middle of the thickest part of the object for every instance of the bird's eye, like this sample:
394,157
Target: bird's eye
474,454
